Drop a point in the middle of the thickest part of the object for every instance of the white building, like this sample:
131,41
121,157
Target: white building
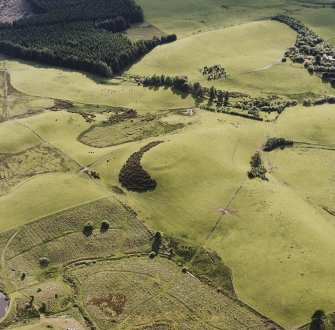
328,58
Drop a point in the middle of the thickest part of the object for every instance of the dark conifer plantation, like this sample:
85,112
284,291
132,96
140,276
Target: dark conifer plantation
78,34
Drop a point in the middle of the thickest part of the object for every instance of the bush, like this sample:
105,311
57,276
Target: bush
307,103
318,320
44,261
152,255
274,143
43,307
257,168
88,228
184,269
104,225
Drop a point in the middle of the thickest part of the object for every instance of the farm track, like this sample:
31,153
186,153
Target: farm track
3,258
220,218
6,108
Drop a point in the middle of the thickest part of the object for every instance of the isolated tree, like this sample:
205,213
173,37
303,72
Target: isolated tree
226,99
318,320
318,58
212,93
220,96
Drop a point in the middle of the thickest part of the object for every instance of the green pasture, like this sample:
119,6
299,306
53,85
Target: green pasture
193,16
274,230
76,86
16,138
45,194
197,169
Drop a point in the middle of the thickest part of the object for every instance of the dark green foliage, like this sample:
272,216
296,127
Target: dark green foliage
152,255
122,115
94,175
226,99
133,177
157,242
257,168
88,228
184,270
114,25
104,226
79,46
274,143
78,10
310,49
44,261
214,72
43,307
79,35
318,320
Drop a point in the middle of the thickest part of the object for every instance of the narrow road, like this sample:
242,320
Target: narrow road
6,108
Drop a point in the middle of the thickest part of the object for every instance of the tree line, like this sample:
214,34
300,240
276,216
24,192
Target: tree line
310,50
81,10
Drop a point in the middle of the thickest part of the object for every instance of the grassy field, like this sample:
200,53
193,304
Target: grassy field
253,64
15,138
43,195
16,168
274,230
191,187
234,48
193,16
75,86
321,21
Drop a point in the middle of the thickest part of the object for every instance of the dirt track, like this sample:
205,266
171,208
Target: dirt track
11,10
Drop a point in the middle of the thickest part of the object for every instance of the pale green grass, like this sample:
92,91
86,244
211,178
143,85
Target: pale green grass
253,63
23,104
281,79
197,170
238,49
316,165
43,195
191,16
312,125
61,129
321,21
71,85
280,250
16,138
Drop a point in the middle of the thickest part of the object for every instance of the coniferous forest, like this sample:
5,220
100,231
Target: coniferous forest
82,35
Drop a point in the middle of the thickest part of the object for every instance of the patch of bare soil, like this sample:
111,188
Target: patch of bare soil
11,10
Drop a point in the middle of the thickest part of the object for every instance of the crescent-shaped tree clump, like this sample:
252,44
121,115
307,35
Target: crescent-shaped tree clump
132,175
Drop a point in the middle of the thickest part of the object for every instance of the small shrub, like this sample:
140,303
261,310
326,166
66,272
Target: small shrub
23,276
184,269
104,225
43,307
44,261
88,228
152,255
